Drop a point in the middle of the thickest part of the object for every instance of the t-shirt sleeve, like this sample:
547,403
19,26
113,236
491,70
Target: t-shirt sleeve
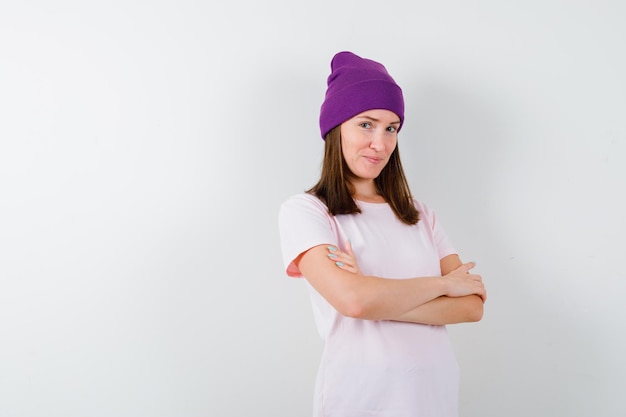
304,222
440,239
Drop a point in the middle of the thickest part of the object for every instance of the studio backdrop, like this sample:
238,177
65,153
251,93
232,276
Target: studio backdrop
145,148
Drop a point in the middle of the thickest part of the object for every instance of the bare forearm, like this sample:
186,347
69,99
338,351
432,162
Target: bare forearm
445,310
375,298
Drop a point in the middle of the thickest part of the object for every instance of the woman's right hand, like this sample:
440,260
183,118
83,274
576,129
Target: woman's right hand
463,283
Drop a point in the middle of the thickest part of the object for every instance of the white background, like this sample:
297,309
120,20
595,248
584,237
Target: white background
145,147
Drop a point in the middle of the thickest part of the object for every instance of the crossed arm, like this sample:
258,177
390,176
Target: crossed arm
455,297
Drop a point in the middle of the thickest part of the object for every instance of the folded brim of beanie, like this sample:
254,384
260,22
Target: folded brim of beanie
357,98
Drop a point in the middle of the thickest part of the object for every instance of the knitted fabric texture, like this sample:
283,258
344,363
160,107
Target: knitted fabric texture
355,85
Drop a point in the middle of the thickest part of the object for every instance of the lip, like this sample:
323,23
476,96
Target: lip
373,159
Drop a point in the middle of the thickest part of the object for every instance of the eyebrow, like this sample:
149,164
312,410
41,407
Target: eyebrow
373,119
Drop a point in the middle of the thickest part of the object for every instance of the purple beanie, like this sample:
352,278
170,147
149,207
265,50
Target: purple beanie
355,85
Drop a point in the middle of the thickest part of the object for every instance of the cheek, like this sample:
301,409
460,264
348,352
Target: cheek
350,148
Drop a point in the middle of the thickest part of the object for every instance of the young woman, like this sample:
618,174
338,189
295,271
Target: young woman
384,278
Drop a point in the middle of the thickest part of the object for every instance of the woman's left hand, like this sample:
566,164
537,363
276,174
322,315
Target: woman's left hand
344,260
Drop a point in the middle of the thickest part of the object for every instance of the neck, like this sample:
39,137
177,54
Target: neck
370,198
366,191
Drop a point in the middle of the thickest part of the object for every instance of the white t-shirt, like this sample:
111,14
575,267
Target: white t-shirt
375,368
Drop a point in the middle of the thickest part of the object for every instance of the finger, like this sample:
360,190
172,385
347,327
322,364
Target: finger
342,257
346,267
466,267
333,250
481,291
474,277
348,255
483,294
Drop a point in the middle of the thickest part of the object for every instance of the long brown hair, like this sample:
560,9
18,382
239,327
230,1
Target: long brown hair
333,189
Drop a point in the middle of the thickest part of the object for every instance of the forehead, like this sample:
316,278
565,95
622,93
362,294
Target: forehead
379,115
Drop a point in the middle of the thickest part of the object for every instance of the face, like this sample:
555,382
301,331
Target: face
367,141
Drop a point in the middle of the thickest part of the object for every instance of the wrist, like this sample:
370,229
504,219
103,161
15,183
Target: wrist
446,286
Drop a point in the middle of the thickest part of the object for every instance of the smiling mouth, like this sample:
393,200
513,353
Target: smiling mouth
373,159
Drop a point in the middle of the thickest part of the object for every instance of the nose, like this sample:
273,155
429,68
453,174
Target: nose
377,142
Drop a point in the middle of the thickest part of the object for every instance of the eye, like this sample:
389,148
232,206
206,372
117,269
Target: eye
392,129
365,125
